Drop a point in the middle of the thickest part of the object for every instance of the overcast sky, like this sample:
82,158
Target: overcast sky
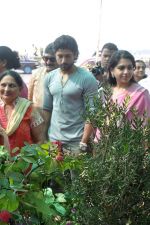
27,22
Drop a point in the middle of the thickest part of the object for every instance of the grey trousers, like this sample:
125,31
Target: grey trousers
72,149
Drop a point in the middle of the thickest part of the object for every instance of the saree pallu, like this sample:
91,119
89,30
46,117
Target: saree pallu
138,99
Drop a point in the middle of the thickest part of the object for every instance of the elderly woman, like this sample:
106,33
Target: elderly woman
10,60
17,116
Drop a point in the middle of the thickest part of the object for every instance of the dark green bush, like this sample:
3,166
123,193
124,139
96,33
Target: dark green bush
114,186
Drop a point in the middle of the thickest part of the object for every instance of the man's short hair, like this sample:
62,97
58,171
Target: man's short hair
110,46
49,49
66,42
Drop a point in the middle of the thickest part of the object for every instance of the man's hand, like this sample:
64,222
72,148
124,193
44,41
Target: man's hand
83,147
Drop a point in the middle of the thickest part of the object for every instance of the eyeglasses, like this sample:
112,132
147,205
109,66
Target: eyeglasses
46,58
122,67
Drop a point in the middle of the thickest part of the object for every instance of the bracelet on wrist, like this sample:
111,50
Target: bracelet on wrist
83,144
83,147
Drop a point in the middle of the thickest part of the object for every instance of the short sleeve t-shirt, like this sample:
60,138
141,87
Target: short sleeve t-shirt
67,103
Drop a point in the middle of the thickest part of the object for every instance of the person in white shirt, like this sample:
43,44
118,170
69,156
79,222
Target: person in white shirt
145,83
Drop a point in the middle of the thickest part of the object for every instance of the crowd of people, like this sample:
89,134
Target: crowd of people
53,105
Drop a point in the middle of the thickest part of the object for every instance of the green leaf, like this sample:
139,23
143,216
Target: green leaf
9,202
28,159
16,186
51,165
45,146
17,177
15,180
37,201
20,166
60,197
4,182
60,208
29,150
49,197
2,194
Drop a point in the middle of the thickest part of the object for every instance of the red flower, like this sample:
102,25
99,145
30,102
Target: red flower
59,157
5,216
59,145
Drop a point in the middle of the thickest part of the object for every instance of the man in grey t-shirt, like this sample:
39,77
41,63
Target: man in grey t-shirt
65,92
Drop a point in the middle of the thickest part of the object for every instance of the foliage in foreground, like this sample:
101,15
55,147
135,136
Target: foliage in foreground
114,186
26,192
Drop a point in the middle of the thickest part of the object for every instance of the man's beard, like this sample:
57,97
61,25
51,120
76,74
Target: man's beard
66,67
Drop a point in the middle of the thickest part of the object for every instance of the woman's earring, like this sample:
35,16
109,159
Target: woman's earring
112,75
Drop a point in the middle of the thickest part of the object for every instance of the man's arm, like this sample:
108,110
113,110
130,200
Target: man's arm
47,107
88,130
46,116
91,91
31,88
39,125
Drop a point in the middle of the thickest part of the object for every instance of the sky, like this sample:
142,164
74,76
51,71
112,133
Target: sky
39,22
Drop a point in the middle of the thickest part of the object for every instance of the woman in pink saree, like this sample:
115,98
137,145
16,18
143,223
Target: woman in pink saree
125,88
121,72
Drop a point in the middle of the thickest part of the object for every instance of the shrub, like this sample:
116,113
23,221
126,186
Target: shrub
24,185
114,186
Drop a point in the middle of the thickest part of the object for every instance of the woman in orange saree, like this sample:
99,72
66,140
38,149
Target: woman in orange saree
17,116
